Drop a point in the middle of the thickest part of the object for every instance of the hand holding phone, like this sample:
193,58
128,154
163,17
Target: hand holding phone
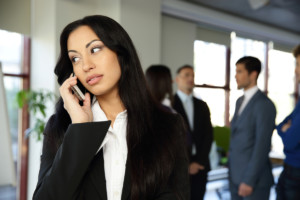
78,92
79,113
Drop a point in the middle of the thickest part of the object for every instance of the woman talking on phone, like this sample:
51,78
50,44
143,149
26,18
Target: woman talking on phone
117,143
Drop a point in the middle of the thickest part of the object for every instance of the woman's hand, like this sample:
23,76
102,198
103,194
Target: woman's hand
286,126
78,114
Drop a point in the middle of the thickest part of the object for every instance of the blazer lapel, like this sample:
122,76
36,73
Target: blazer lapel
235,116
181,110
249,105
198,110
127,182
98,175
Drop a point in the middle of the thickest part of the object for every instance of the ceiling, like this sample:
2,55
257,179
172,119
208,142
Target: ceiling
284,14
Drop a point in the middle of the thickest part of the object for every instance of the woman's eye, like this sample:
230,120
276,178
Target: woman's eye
74,59
95,49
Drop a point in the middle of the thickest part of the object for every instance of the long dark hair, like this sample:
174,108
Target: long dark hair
150,140
159,80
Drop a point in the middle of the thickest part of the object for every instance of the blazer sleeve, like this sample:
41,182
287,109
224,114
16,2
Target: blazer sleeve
178,187
265,114
61,172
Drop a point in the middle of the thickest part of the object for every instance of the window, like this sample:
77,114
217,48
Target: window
215,99
210,59
210,77
216,84
15,59
11,59
281,88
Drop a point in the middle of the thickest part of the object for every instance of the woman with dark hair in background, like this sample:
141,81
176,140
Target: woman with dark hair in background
159,81
116,143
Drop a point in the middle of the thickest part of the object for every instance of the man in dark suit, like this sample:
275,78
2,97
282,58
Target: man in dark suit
196,114
250,170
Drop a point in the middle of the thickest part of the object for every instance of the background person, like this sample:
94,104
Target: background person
196,114
159,81
250,170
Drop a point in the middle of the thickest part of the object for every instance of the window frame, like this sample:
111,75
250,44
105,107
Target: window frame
227,88
23,143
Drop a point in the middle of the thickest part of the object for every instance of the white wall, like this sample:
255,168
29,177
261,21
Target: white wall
177,42
142,20
19,21
70,10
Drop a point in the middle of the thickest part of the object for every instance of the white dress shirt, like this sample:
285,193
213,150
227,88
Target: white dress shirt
248,94
166,102
188,104
114,151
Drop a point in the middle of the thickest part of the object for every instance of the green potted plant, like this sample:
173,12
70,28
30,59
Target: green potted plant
36,101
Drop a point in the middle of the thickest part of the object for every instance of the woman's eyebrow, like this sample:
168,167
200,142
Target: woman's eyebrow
88,44
72,51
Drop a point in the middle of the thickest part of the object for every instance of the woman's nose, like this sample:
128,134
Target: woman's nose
88,65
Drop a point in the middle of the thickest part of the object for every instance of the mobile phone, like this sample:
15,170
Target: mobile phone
78,92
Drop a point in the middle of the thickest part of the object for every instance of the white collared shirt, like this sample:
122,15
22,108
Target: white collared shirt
114,151
248,94
188,104
166,102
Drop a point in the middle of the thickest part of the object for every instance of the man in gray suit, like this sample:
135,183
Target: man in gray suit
250,170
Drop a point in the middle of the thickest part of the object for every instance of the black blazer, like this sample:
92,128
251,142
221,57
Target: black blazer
202,135
75,172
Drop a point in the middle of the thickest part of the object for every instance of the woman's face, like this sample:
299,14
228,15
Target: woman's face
95,65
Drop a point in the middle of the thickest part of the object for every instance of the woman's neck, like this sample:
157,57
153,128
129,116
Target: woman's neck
111,106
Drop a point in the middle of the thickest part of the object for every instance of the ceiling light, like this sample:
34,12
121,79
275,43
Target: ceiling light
256,4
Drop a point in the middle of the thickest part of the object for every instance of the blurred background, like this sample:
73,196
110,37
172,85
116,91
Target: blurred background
210,35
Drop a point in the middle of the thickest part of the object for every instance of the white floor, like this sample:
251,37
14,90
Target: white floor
221,186
225,195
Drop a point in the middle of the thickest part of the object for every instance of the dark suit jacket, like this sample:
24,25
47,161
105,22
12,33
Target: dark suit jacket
250,142
202,135
75,172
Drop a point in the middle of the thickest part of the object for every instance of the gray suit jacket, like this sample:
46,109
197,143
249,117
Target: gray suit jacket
250,142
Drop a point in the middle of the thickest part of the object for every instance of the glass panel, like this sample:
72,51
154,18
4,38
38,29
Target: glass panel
281,87
281,72
241,47
215,99
284,104
12,86
11,52
208,69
